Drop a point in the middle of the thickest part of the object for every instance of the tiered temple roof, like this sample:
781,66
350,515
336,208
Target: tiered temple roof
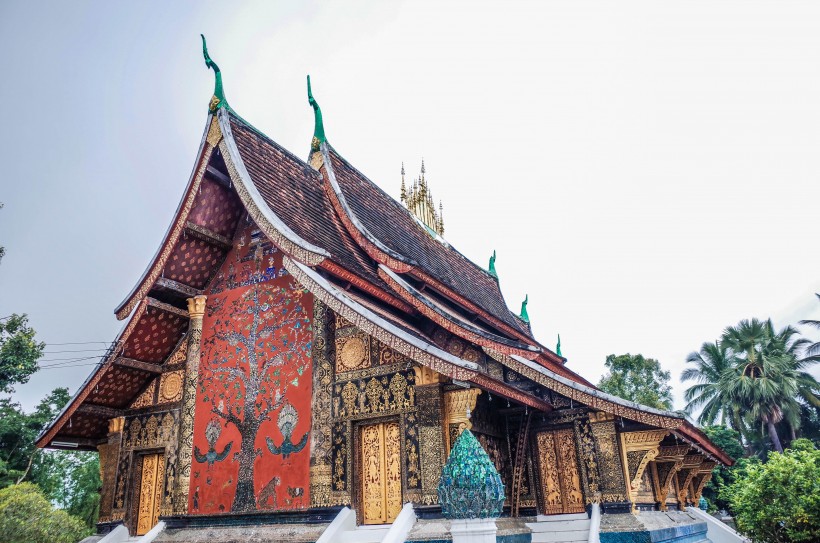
355,248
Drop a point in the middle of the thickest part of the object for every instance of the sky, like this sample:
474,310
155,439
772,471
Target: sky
646,171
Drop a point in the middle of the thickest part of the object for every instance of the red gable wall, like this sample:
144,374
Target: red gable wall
253,402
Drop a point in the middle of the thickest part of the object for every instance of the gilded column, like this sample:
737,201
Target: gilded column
612,483
196,311
109,453
321,425
429,399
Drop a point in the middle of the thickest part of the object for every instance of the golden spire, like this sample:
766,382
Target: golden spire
403,190
419,200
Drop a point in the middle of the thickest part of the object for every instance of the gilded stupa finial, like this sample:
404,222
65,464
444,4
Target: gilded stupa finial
524,315
318,125
218,99
492,266
403,188
419,200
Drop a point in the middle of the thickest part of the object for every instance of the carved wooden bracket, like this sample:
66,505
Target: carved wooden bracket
639,448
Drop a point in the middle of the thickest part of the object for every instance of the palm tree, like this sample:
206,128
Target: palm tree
812,351
710,363
767,388
768,378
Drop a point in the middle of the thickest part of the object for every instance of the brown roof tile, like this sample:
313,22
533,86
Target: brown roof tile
293,190
394,226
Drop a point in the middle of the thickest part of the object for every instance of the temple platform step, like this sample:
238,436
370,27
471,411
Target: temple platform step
365,534
571,528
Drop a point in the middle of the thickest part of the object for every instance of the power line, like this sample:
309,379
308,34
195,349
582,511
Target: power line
84,343
74,366
69,361
76,351
62,359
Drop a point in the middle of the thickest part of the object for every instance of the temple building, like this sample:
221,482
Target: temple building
302,342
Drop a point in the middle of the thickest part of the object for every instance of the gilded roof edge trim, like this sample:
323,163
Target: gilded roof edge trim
353,220
158,261
416,349
465,329
274,227
49,432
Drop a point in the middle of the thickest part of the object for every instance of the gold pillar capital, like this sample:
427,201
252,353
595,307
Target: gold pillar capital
196,306
116,425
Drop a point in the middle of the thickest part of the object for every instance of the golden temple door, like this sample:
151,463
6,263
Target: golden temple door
558,467
150,492
381,472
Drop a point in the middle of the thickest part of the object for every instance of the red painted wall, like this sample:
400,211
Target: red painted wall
251,442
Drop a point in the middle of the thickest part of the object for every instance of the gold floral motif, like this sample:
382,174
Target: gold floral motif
147,397
170,386
352,354
381,472
558,464
150,494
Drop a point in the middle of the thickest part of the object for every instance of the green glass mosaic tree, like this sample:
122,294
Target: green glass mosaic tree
470,486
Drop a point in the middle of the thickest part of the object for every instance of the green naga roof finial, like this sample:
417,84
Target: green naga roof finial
218,99
524,315
319,127
558,347
492,266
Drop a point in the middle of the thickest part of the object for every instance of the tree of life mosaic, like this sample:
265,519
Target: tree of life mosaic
253,406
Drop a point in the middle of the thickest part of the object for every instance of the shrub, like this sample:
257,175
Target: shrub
26,516
779,501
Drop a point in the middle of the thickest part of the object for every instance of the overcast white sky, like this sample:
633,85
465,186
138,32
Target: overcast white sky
647,171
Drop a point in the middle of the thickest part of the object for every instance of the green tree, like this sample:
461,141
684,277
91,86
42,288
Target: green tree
26,516
709,364
722,476
18,432
779,501
768,381
638,379
19,351
71,480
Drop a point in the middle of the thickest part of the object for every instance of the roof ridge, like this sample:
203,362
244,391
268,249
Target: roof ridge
404,209
269,140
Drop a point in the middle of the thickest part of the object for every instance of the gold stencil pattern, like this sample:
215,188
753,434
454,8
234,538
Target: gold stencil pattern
150,493
170,386
381,472
558,466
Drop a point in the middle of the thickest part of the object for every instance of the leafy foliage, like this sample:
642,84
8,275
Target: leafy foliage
779,501
753,378
26,516
69,479
19,351
638,379
18,432
722,476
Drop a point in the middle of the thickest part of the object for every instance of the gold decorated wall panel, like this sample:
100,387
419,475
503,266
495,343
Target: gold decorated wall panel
558,469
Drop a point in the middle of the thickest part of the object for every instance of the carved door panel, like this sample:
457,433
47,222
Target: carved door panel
558,467
381,472
150,492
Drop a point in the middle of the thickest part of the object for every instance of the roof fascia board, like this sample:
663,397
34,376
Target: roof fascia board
157,263
377,250
463,329
388,333
264,217
52,429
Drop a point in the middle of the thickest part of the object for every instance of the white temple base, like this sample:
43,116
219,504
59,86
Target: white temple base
474,530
